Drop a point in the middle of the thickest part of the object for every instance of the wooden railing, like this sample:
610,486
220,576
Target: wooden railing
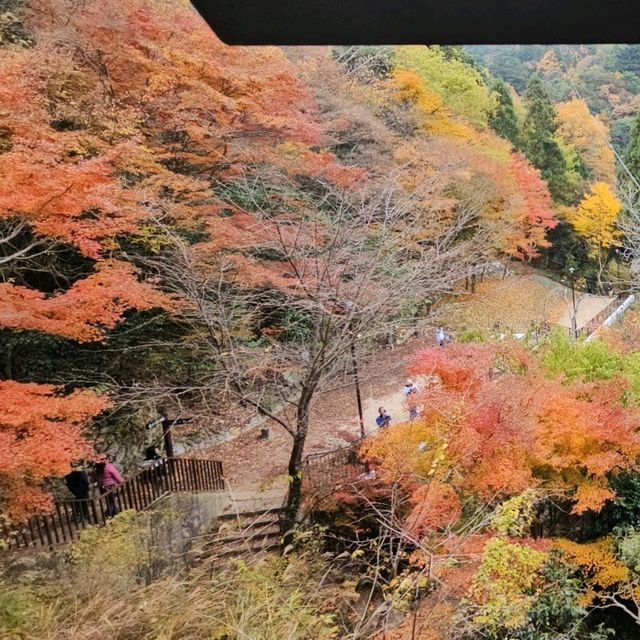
69,517
598,319
329,467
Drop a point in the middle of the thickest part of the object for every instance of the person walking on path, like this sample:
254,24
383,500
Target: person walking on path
77,482
108,478
410,391
384,419
409,388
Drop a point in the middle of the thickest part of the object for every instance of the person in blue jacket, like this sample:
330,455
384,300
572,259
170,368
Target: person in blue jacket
384,419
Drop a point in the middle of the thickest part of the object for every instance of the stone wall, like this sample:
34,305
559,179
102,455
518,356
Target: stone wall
175,526
166,536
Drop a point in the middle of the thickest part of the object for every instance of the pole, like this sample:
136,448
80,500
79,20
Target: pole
356,380
574,319
166,434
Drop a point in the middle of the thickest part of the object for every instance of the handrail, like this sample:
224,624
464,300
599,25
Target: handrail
594,323
328,466
139,492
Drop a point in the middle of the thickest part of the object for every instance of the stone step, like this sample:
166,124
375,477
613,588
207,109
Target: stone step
255,515
244,550
220,538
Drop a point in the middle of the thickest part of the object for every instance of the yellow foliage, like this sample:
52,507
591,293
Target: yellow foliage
514,516
596,217
418,447
435,117
590,137
549,62
597,560
460,85
503,586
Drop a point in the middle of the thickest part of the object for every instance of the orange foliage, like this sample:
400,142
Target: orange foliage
435,505
40,435
533,211
85,310
494,425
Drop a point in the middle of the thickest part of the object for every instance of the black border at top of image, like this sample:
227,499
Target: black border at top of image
319,22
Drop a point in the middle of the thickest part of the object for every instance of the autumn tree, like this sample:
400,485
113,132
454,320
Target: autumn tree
533,212
596,220
502,118
41,434
589,136
278,300
454,80
610,570
494,426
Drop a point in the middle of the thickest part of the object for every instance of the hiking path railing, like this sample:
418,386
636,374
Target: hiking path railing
329,467
597,320
68,518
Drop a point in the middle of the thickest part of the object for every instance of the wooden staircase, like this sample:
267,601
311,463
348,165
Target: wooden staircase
248,535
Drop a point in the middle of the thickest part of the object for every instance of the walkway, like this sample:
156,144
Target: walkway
519,301
588,306
251,463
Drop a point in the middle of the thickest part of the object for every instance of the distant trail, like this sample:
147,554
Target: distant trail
249,463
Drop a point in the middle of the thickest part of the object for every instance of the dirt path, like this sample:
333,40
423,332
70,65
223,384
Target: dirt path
252,463
517,302
588,306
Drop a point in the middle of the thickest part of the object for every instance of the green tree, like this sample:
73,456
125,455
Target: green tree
503,119
538,140
461,86
627,58
632,153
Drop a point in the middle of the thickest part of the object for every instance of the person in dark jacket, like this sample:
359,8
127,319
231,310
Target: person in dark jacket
78,484
152,466
384,419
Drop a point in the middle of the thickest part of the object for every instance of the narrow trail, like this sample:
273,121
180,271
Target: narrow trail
255,465
252,464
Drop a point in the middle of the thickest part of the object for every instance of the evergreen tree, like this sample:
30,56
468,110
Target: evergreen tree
627,58
503,118
539,143
632,153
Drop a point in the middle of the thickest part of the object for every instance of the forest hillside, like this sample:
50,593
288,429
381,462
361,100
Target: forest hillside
224,235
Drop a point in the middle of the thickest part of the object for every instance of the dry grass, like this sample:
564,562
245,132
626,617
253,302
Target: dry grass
273,599
276,598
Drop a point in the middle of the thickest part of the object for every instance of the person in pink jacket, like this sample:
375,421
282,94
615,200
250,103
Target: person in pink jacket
108,477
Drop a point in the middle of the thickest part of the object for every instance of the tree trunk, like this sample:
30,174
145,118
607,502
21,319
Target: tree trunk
294,497
8,353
